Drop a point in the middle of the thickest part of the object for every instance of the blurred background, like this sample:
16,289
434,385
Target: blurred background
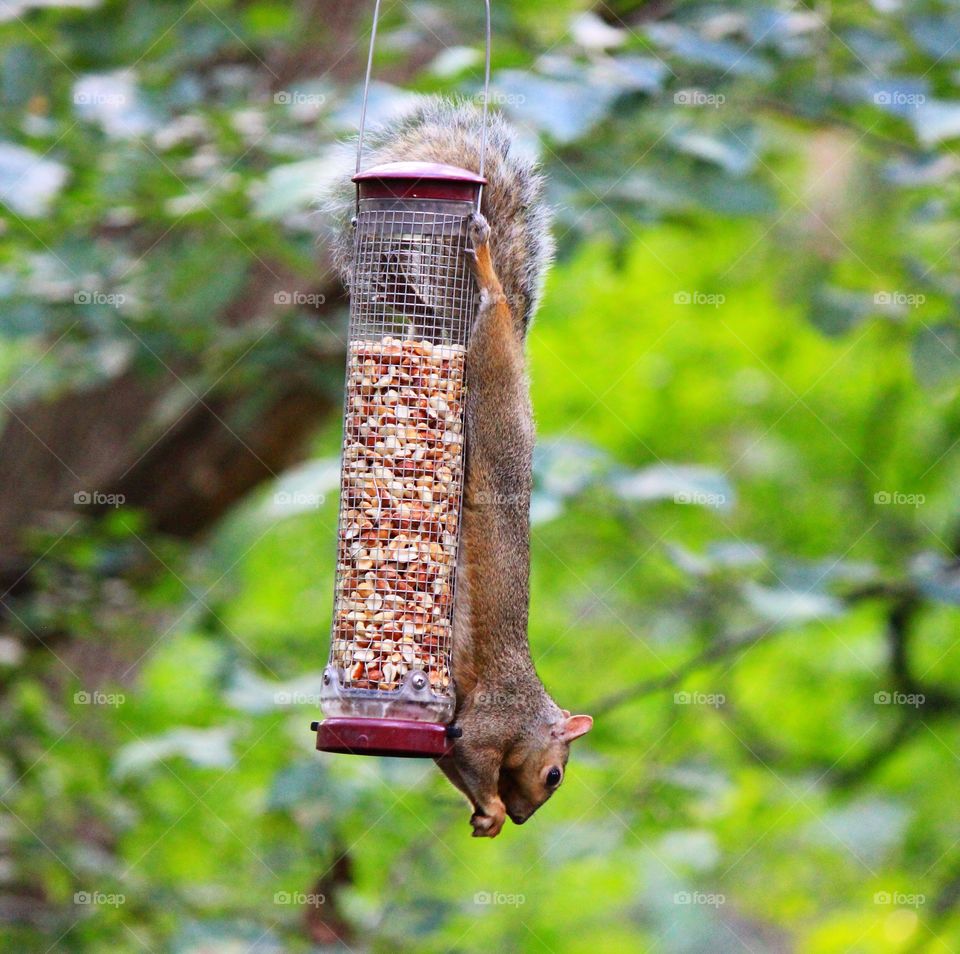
746,527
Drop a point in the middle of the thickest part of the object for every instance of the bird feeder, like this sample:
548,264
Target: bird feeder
387,687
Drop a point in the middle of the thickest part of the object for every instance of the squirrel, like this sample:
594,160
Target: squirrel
515,741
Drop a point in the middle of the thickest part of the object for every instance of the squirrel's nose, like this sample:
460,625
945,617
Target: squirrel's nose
517,819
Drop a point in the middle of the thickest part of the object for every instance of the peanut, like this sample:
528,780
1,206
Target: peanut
401,487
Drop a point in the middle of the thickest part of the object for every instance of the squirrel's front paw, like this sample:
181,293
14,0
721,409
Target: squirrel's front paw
488,822
478,231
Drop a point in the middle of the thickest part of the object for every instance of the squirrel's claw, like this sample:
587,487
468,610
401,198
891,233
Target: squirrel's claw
478,232
488,822
485,827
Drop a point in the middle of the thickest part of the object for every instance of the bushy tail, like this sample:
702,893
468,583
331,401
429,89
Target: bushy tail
442,130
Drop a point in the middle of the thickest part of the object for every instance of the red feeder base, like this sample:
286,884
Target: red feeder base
396,737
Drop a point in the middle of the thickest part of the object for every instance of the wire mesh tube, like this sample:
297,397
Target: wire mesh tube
412,304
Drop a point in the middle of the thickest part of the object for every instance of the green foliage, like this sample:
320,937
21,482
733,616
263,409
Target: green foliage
745,548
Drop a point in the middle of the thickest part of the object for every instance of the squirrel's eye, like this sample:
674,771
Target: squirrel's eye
553,777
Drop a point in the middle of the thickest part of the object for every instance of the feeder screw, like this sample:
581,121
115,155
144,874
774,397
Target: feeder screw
314,726
418,680
326,679
454,732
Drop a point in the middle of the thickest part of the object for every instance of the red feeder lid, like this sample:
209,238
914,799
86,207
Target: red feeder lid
418,180
396,737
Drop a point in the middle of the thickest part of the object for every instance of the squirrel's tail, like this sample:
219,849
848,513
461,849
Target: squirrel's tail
447,131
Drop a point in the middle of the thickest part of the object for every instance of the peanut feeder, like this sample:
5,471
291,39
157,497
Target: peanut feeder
387,688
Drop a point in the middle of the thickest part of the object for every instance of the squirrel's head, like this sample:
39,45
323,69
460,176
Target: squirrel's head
535,766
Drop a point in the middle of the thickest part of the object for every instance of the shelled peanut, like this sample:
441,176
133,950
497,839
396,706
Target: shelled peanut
400,503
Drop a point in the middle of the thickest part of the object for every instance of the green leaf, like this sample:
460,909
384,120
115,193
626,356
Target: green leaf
681,483
723,55
783,606
206,748
936,355
29,183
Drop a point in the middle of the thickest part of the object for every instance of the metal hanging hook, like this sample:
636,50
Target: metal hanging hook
366,81
486,96
486,107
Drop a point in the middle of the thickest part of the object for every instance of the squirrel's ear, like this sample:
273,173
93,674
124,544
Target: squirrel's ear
575,726
565,713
